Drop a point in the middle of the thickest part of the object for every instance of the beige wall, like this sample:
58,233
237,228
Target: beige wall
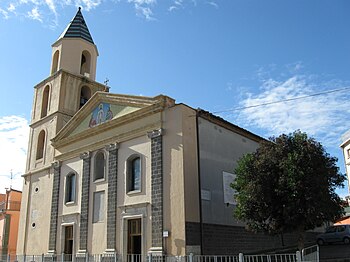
23,217
180,175
36,220
50,130
53,102
68,213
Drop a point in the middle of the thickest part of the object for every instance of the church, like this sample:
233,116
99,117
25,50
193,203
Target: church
132,175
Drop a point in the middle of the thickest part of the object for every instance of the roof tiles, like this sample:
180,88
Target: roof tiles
77,28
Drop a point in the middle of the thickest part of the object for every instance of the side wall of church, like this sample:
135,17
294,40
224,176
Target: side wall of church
36,207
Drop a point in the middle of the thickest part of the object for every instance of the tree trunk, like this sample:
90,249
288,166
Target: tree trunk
301,238
282,239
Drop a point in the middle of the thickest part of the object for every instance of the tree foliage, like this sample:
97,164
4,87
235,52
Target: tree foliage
288,185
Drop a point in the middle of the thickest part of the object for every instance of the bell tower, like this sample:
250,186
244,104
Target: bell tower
56,100
69,86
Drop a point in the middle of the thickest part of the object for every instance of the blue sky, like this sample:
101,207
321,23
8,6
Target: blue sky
215,54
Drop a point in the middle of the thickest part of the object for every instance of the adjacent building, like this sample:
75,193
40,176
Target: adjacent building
10,204
128,174
345,146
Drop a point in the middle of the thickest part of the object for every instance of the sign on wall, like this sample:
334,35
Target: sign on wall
229,192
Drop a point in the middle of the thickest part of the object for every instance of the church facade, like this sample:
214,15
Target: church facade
127,174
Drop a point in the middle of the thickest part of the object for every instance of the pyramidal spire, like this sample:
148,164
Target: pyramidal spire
77,28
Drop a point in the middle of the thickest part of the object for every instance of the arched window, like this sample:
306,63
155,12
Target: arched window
40,145
45,101
99,170
85,63
134,173
55,62
70,187
85,94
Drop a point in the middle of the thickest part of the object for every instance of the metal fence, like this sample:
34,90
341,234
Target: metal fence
310,254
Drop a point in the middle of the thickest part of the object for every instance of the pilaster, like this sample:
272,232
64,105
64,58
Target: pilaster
156,190
112,196
54,205
84,213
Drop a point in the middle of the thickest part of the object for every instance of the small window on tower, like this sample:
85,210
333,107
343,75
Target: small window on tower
55,62
85,64
45,101
40,145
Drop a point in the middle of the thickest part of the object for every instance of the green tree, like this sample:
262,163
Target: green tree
288,185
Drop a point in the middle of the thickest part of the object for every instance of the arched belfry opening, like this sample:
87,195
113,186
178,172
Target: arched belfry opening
85,94
40,145
55,62
85,63
45,101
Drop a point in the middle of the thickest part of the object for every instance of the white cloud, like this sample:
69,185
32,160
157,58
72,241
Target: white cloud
176,5
47,11
88,4
11,7
324,116
14,133
214,4
35,15
4,13
143,8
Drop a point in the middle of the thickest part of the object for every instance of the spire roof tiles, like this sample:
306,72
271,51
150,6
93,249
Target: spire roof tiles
77,28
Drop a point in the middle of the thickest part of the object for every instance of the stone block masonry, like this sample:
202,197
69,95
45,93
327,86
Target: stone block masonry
54,205
84,213
112,195
157,187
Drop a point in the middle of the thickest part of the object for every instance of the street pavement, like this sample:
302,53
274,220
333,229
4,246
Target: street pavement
335,252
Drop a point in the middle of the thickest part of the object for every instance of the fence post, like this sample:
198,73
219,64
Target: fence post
240,257
42,257
8,257
86,257
62,257
298,256
115,256
24,258
190,257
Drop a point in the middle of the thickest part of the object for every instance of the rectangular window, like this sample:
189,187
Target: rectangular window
99,206
348,152
70,187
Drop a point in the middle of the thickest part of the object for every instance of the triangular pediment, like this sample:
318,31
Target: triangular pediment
104,110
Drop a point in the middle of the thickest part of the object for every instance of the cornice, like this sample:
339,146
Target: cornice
223,123
34,171
64,72
117,139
